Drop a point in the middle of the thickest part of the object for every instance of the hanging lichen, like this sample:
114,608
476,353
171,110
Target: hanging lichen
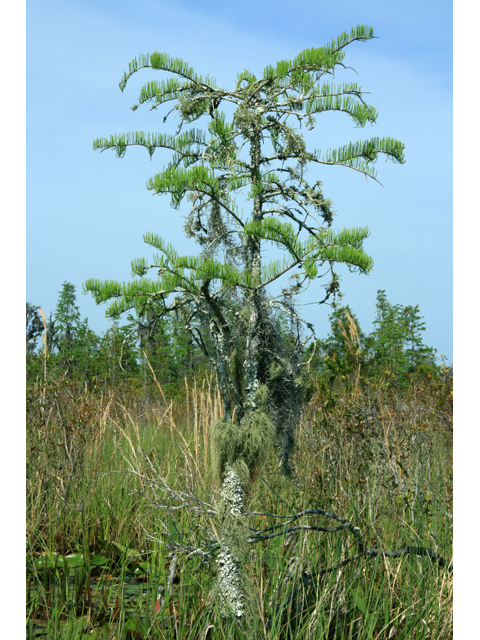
232,581
249,441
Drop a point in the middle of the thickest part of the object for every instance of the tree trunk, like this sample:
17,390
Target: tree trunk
232,582
231,574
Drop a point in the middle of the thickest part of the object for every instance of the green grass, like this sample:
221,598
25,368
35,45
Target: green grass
106,478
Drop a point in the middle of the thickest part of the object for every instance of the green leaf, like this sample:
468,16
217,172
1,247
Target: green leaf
359,112
75,560
136,627
160,92
178,181
282,233
183,143
50,560
165,62
162,245
125,551
360,155
359,599
98,560
101,632
322,58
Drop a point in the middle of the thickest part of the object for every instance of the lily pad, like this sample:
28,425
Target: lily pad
98,560
75,560
53,560
125,551
50,560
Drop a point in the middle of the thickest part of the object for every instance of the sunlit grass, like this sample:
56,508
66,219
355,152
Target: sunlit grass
380,461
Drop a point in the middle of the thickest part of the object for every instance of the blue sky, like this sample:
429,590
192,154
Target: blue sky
86,212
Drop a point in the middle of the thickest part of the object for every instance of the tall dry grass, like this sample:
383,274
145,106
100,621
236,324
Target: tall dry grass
105,471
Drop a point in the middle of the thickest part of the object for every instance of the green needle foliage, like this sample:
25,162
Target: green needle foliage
259,153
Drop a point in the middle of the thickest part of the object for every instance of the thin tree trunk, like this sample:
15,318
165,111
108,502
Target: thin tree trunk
232,582
230,579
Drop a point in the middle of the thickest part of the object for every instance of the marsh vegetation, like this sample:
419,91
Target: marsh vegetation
119,491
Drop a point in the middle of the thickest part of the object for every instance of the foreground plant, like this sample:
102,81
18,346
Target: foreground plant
369,460
224,291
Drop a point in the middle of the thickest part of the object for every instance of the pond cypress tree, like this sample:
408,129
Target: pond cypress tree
416,351
68,324
396,343
226,286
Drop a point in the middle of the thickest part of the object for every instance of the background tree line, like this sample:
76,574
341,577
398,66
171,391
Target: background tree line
115,357
393,352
